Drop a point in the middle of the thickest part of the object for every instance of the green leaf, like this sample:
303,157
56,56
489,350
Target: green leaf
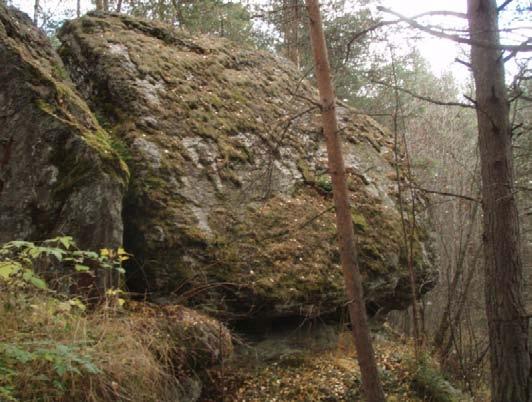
9,268
19,244
66,241
35,252
77,303
56,252
81,268
38,282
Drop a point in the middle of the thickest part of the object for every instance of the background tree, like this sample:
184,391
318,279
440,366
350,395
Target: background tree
507,320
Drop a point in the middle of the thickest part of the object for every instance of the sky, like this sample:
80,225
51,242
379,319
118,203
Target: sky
440,53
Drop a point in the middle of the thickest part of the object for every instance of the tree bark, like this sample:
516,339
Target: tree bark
346,239
507,321
99,5
291,18
36,7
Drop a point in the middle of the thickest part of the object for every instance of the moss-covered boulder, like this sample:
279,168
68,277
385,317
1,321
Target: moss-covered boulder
229,204
198,341
58,171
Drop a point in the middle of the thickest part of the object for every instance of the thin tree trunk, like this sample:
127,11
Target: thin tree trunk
441,333
78,8
118,6
346,239
408,240
99,5
291,18
507,321
36,12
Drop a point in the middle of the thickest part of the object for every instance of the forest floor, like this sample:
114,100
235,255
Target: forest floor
318,363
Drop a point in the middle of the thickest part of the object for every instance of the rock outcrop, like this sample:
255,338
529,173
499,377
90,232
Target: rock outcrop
229,200
58,170
229,204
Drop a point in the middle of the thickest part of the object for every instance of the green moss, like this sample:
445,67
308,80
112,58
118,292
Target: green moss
230,152
430,384
74,171
303,167
323,182
359,222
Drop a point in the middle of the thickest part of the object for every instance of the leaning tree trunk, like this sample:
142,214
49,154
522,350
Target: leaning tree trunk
346,239
507,321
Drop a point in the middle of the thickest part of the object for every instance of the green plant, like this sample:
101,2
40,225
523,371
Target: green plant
24,263
324,184
42,355
430,384
56,360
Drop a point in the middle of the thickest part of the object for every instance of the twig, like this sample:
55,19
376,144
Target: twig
444,193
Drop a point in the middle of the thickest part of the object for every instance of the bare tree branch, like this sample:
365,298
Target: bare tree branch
441,13
503,5
422,97
444,193
526,47
465,63
359,34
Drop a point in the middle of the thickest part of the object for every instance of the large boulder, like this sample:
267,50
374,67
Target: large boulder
229,203
59,173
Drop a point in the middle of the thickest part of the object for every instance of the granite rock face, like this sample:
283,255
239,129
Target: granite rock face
58,171
229,204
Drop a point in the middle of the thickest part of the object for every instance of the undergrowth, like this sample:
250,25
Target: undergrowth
56,346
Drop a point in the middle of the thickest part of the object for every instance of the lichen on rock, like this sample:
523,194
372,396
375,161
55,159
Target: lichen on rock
229,204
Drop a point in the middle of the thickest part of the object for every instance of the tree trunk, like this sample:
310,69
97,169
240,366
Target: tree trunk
36,12
291,18
78,8
99,5
507,321
346,239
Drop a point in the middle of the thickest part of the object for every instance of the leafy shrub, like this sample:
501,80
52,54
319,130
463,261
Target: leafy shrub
34,346
25,263
54,348
430,384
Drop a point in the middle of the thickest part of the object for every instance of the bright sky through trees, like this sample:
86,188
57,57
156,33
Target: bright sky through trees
440,53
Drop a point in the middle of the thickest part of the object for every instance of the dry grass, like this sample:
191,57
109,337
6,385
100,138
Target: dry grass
53,351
